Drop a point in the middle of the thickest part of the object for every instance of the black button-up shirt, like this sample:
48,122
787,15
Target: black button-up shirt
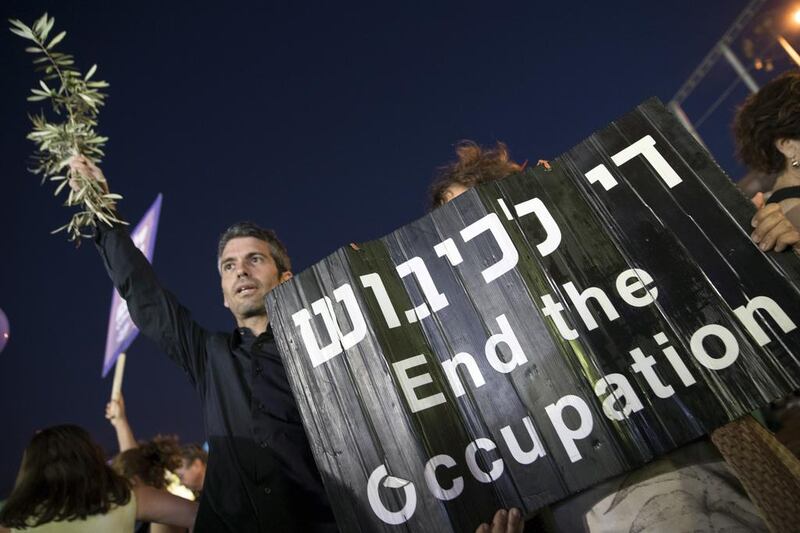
261,475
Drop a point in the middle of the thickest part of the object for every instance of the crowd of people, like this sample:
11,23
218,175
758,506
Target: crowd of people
260,474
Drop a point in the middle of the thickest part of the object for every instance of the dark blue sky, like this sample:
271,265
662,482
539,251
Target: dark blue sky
325,122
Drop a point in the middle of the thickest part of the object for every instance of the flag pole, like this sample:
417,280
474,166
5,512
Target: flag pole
119,371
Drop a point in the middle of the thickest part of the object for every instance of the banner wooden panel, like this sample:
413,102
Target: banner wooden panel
539,334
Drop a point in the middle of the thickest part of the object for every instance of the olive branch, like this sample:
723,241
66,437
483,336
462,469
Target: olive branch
76,100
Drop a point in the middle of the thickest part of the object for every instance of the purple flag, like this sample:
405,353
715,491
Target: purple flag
121,329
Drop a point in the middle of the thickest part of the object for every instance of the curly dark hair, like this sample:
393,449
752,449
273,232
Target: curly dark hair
150,461
770,114
63,476
249,229
475,165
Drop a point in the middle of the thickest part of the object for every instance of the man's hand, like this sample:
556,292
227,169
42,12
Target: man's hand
115,411
504,522
81,166
772,229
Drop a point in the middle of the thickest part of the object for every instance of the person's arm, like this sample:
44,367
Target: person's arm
115,413
164,528
771,228
153,505
154,310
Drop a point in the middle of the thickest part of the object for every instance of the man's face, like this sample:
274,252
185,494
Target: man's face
248,273
456,189
192,474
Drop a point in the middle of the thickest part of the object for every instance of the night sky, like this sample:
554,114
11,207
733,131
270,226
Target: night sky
324,122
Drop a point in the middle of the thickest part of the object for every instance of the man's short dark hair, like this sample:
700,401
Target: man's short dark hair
192,452
475,165
770,114
249,229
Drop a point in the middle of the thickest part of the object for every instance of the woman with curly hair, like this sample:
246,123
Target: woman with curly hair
64,485
767,131
150,462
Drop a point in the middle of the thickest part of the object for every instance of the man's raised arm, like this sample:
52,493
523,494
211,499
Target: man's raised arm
154,310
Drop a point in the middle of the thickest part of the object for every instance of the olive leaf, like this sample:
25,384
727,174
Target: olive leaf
75,102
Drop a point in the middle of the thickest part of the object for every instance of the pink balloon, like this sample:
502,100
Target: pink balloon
4,330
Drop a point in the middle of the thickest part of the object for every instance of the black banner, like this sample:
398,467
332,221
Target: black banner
538,334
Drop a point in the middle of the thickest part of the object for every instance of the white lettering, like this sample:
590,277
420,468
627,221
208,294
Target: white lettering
390,517
634,280
450,368
409,384
579,301
521,456
644,365
553,310
567,435
433,483
731,347
746,316
506,336
622,394
470,455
